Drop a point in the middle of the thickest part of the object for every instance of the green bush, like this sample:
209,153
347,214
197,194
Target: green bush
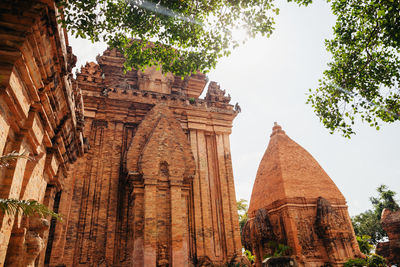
355,262
249,256
376,261
363,243
373,260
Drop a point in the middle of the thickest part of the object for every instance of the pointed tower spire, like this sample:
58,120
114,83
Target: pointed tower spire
288,171
277,129
305,208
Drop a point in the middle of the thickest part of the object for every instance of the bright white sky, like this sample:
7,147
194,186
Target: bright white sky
270,79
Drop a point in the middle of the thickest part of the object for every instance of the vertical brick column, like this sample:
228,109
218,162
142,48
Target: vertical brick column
150,224
178,228
4,126
10,187
207,229
237,245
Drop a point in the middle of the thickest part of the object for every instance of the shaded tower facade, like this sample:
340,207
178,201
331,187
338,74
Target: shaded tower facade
41,116
295,203
155,187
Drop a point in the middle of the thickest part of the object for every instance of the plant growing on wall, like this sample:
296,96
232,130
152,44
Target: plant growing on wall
24,207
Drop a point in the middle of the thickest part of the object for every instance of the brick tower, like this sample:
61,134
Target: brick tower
295,203
155,187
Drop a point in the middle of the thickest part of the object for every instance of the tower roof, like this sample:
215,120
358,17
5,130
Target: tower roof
288,172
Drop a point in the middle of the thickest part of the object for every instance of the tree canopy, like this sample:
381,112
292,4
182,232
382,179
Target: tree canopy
181,36
362,80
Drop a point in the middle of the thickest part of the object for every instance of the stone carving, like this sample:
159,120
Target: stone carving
71,59
215,94
27,242
204,262
262,226
306,236
125,86
257,233
162,259
238,108
391,249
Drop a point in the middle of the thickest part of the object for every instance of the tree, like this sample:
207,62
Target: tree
181,36
368,222
364,244
25,207
384,200
242,208
362,80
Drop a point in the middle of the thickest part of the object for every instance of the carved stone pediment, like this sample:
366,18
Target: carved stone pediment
160,144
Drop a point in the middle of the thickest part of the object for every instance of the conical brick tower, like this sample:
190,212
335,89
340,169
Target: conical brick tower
295,203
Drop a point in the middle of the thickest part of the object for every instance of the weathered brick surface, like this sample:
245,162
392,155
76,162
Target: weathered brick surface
156,186
390,249
294,202
40,115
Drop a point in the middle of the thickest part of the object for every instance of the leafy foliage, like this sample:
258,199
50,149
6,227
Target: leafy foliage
355,262
375,260
25,207
363,77
5,159
181,36
372,261
368,222
384,200
278,248
242,208
250,256
363,243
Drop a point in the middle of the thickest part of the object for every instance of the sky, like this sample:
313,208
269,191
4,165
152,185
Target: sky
270,78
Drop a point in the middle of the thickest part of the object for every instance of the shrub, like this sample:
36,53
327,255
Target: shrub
355,262
376,261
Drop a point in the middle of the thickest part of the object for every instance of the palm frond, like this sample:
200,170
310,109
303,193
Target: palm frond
5,159
26,207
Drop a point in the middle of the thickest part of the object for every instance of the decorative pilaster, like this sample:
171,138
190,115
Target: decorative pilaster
150,223
180,253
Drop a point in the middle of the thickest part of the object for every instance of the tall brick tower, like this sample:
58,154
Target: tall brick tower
155,187
295,203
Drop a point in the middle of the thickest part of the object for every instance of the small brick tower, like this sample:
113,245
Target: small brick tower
295,203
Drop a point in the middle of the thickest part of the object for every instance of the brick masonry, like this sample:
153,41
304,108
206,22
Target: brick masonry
156,186
40,115
295,203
